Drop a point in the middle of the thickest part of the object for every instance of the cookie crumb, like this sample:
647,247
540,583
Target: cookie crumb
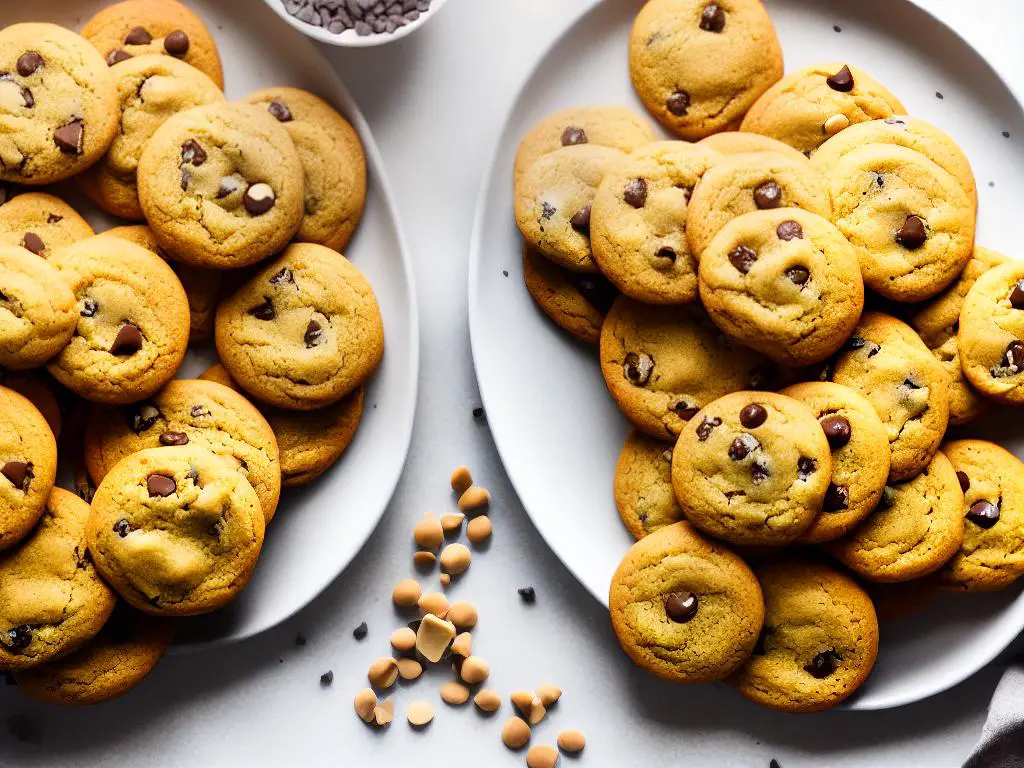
424,560
452,523
384,712
528,595
463,644
327,678
360,632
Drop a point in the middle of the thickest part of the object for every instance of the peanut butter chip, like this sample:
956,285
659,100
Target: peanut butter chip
549,694
445,579
406,593
435,603
515,733
454,693
488,700
461,480
463,615
419,714
474,497
384,712
542,756
434,637
451,523
462,645
424,560
409,669
383,672
571,741
455,558
403,640
475,670
428,533
365,703
479,530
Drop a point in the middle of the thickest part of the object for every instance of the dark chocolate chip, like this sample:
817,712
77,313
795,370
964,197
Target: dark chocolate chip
128,340
19,473
300,639
712,18
837,429
635,193
742,258
666,253
678,103
681,606
767,195
314,334
144,417
580,220
798,275
841,81
595,289
28,63
1013,360
888,497
173,438
116,56
160,485
983,513
684,410
573,135
327,678
264,311
19,637
789,230
478,413
68,137
773,763
637,368
759,472
176,43
198,411
824,664
837,498
753,416
1017,295
34,243
965,481
122,528
742,446
283,275
912,234
53,218
805,467
527,594
138,36
280,111
259,198
192,153
359,632
705,428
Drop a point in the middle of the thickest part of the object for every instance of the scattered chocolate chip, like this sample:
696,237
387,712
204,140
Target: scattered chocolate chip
360,632
28,63
637,368
841,81
681,606
176,43
173,438
280,111
938,95
116,56
837,429
527,594
228,186
965,481
1017,295
879,179
19,473
68,137
684,410
767,195
789,230
666,253
259,198
128,340
192,153
742,258
888,497
759,472
705,428
835,28
805,467
983,513
138,36
34,243
547,211
798,275
327,678
19,637
742,447
160,485
264,311
573,135
678,103
824,664
837,498
143,418
1006,134
314,334
753,416
635,193
478,413
122,527
912,234
580,220
712,18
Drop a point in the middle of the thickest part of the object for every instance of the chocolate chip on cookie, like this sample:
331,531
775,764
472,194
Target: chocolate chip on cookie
912,234
160,485
280,110
789,230
128,340
841,81
138,36
573,135
712,18
681,606
983,513
743,258
69,137
768,195
259,198
28,63
837,430
176,43
635,193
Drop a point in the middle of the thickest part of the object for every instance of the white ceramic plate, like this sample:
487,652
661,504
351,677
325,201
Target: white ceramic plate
555,426
318,529
349,38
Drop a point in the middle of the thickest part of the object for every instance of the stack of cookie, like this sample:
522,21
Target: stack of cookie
786,459
177,479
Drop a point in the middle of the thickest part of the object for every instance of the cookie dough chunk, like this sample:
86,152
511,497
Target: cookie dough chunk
938,322
141,27
310,442
731,143
52,600
992,554
810,105
819,642
111,664
190,412
304,331
860,457
784,282
685,608
887,363
752,468
176,531
332,158
28,466
916,529
41,223
910,221
554,201
221,185
699,66
577,302
37,309
643,485
58,109
991,335
639,230
133,321
752,182
663,364
150,89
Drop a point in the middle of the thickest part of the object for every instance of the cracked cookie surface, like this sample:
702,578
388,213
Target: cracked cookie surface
176,530
685,608
643,485
41,223
28,466
991,336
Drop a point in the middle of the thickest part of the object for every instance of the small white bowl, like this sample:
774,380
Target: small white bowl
349,38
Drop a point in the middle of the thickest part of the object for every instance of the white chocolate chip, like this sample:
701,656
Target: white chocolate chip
419,714
475,670
462,645
475,497
549,694
452,523
406,593
515,733
384,712
403,640
541,756
455,558
383,672
434,637
571,741
488,700
11,96
463,615
409,669
454,693
835,124
365,702
428,533
435,603
462,479
479,529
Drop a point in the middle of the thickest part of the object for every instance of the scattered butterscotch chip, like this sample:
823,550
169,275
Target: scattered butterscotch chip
475,670
406,593
515,733
463,615
451,523
488,700
383,672
529,706
434,637
424,560
419,713
454,693
403,639
445,579
549,694
435,603
455,558
474,498
462,645
835,124
428,533
384,712
571,741
365,702
541,756
462,480
409,669
479,529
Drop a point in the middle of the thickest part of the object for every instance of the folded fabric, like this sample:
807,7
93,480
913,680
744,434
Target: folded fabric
1002,740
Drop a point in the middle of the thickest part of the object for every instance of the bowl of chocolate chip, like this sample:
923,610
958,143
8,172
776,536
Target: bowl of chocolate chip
356,23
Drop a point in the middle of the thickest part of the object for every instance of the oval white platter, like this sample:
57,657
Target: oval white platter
556,428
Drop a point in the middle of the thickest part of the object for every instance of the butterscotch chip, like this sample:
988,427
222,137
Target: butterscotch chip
435,603
428,533
434,637
474,498
462,645
479,529
403,639
542,756
445,579
549,694
424,560
419,713
409,669
406,593
571,741
384,712
454,693
383,672
455,558
452,522
475,670
365,702
463,615
488,700
515,733
529,706
462,480
835,124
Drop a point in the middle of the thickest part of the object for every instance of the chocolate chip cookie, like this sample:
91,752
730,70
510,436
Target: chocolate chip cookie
52,600
860,457
28,465
643,485
685,608
752,468
784,282
810,105
176,530
699,66
663,364
639,222
303,332
41,223
38,389
58,109
133,321
819,642
731,143
222,185
991,335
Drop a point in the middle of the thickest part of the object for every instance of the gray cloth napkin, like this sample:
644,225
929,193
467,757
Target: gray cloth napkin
1002,741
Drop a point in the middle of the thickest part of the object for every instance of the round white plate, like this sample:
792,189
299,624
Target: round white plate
556,428
318,529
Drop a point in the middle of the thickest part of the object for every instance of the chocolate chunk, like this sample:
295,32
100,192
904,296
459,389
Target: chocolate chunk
824,664
68,137
360,632
138,36
173,438
767,195
1013,360
283,275
789,230
742,447
259,198
912,234
805,467
116,56
742,258
681,606
705,428
965,481
841,81
753,416
759,472
837,498
1017,295
527,594
34,243
143,418
983,513
637,368
176,43
264,311
666,253
678,103
122,528
28,63
712,18
314,334
837,429
19,473
798,275
128,340
280,110
635,193
19,637
580,220
684,410
160,485
573,135
327,678
192,153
